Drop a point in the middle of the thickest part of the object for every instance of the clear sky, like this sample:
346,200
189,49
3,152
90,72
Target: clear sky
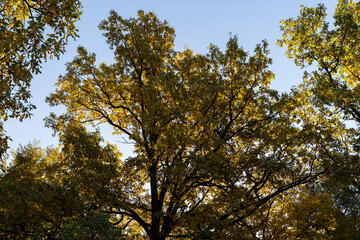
197,23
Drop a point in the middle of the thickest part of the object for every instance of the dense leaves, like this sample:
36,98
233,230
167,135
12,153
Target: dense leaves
42,196
333,87
218,154
214,145
31,32
309,39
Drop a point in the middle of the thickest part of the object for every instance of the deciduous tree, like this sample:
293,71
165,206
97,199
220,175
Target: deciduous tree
53,194
310,39
214,144
333,86
31,32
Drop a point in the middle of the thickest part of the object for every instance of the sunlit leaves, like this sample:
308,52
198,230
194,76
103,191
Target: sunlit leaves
310,39
333,88
31,32
215,146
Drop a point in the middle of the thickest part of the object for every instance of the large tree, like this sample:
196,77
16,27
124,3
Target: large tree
31,32
333,86
215,146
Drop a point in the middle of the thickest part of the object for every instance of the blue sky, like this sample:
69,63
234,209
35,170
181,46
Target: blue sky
197,23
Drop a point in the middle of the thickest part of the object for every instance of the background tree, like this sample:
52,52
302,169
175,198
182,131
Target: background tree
333,87
31,32
309,39
42,196
214,145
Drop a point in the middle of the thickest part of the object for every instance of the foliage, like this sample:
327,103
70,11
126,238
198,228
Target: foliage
309,39
41,198
334,88
215,146
218,153
30,33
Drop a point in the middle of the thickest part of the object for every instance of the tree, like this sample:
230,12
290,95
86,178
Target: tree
333,87
31,32
215,146
42,198
309,39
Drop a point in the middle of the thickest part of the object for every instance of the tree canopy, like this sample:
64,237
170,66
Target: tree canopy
310,39
219,154
31,32
333,86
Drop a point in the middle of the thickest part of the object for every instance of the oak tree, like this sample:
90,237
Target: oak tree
215,146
